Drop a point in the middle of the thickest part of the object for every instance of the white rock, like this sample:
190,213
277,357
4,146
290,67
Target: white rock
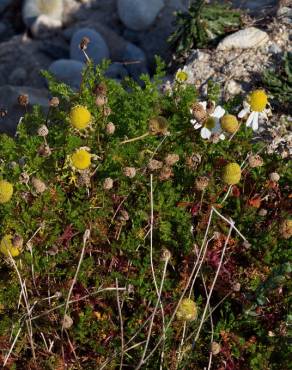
244,39
233,87
139,14
44,25
32,9
285,14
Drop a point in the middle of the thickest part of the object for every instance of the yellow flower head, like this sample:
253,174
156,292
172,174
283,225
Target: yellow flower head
7,247
80,117
232,173
81,159
6,191
229,123
181,76
187,310
258,100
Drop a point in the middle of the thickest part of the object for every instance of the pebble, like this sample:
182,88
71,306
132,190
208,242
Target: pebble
285,14
67,71
134,54
97,48
18,76
251,37
116,71
233,87
32,9
138,15
4,4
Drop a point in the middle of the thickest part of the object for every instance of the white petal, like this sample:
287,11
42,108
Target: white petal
255,121
222,137
218,112
243,112
250,119
203,104
196,124
205,133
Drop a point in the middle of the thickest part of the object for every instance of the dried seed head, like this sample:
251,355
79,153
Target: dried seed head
3,112
17,241
54,102
215,348
154,165
263,212
124,215
43,131
100,89
84,43
210,108
84,178
165,173
201,183
255,161
108,183
166,255
236,287
67,322
129,172
199,112
286,229
110,128
193,161
44,150
158,126
274,176
171,159
100,100
39,185
107,111
23,100
24,178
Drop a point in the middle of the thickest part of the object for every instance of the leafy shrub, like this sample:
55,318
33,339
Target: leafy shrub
202,25
119,190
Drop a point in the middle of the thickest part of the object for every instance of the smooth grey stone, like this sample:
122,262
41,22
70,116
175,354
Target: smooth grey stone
116,71
247,38
134,54
97,48
4,4
9,95
68,71
139,14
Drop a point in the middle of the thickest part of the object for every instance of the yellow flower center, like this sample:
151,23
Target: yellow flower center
210,123
229,123
80,117
6,191
7,247
181,76
258,100
232,173
81,159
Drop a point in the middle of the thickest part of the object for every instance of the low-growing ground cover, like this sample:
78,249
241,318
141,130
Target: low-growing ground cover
144,228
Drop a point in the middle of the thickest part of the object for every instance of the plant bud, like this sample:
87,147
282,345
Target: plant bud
215,348
39,185
274,176
255,161
110,128
171,159
108,183
201,183
154,165
54,102
43,131
129,172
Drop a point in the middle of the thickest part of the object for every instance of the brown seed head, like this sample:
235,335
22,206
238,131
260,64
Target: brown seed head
255,161
108,183
154,165
44,150
39,185
129,172
100,100
84,43
100,89
171,159
199,112
165,173
43,131
201,183
23,100
110,128
193,161
54,102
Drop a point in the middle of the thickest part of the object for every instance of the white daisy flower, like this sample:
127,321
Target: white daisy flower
210,125
255,107
182,75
